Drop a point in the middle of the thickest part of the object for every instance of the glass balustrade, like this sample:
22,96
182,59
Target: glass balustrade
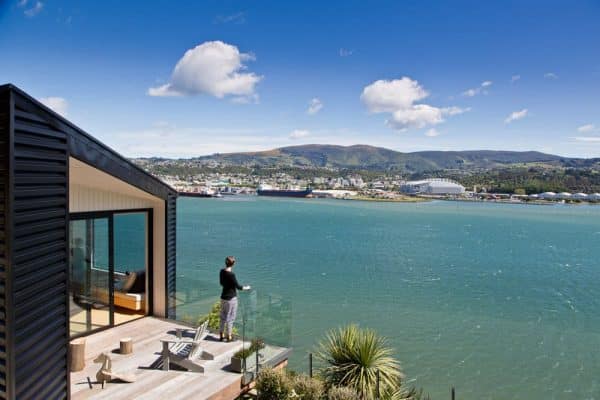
264,320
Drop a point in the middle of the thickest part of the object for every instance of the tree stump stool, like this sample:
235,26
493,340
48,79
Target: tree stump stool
77,359
126,346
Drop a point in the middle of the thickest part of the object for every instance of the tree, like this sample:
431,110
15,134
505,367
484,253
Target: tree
353,356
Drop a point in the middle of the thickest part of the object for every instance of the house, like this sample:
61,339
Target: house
87,241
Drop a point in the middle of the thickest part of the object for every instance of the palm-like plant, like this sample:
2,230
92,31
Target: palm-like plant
353,356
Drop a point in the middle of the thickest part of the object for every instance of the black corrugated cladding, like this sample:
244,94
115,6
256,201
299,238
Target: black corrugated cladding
171,262
4,134
36,235
35,145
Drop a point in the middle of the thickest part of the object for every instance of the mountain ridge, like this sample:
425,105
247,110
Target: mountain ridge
361,156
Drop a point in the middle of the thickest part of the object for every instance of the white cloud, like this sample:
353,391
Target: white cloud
345,52
514,78
587,128
314,106
56,104
33,11
213,68
588,139
550,75
516,115
455,110
299,134
237,18
432,132
417,116
398,97
389,96
471,92
478,90
22,3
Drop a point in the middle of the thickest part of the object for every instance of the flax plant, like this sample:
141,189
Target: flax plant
352,357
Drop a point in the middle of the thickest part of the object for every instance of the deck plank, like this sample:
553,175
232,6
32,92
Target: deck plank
151,383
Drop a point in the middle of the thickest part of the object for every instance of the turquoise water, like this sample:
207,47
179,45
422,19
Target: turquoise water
501,301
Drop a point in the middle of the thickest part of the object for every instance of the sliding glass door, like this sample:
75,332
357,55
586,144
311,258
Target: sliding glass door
91,275
109,268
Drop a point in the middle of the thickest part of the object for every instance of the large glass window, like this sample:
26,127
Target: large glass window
109,269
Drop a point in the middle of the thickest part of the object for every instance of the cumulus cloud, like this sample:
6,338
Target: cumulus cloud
213,68
432,132
587,128
515,116
314,106
389,96
299,134
515,78
478,90
550,75
32,11
345,52
399,97
56,104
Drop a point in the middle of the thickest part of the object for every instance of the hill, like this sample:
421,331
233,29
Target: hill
382,159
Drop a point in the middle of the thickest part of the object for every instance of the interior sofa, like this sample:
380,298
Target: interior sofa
129,290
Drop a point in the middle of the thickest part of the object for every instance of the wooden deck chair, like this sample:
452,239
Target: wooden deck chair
186,353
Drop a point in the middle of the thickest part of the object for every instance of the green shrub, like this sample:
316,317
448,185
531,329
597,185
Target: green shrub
255,345
273,385
307,388
213,317
342,393
242,353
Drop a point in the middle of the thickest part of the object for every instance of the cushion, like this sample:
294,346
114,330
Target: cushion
129,282
139,286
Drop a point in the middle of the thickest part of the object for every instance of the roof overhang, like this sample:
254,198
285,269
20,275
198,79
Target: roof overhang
91,151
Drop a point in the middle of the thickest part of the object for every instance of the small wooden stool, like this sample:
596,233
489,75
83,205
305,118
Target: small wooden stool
77,359
126,346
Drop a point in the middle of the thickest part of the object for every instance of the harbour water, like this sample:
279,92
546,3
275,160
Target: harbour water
500,301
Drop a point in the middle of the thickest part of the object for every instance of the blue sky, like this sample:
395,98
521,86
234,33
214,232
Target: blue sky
181,79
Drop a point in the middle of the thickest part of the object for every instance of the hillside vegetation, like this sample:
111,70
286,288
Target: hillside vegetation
381,159
496,171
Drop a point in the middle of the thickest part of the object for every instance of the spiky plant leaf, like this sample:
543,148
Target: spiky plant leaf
353,356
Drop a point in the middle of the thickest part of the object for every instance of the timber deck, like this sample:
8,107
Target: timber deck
216,383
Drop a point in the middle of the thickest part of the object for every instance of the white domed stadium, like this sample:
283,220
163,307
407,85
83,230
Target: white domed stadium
434,186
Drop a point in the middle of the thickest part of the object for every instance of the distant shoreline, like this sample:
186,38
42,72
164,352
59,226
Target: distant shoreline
381,200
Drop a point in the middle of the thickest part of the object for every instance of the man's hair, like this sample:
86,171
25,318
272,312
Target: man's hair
229,261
